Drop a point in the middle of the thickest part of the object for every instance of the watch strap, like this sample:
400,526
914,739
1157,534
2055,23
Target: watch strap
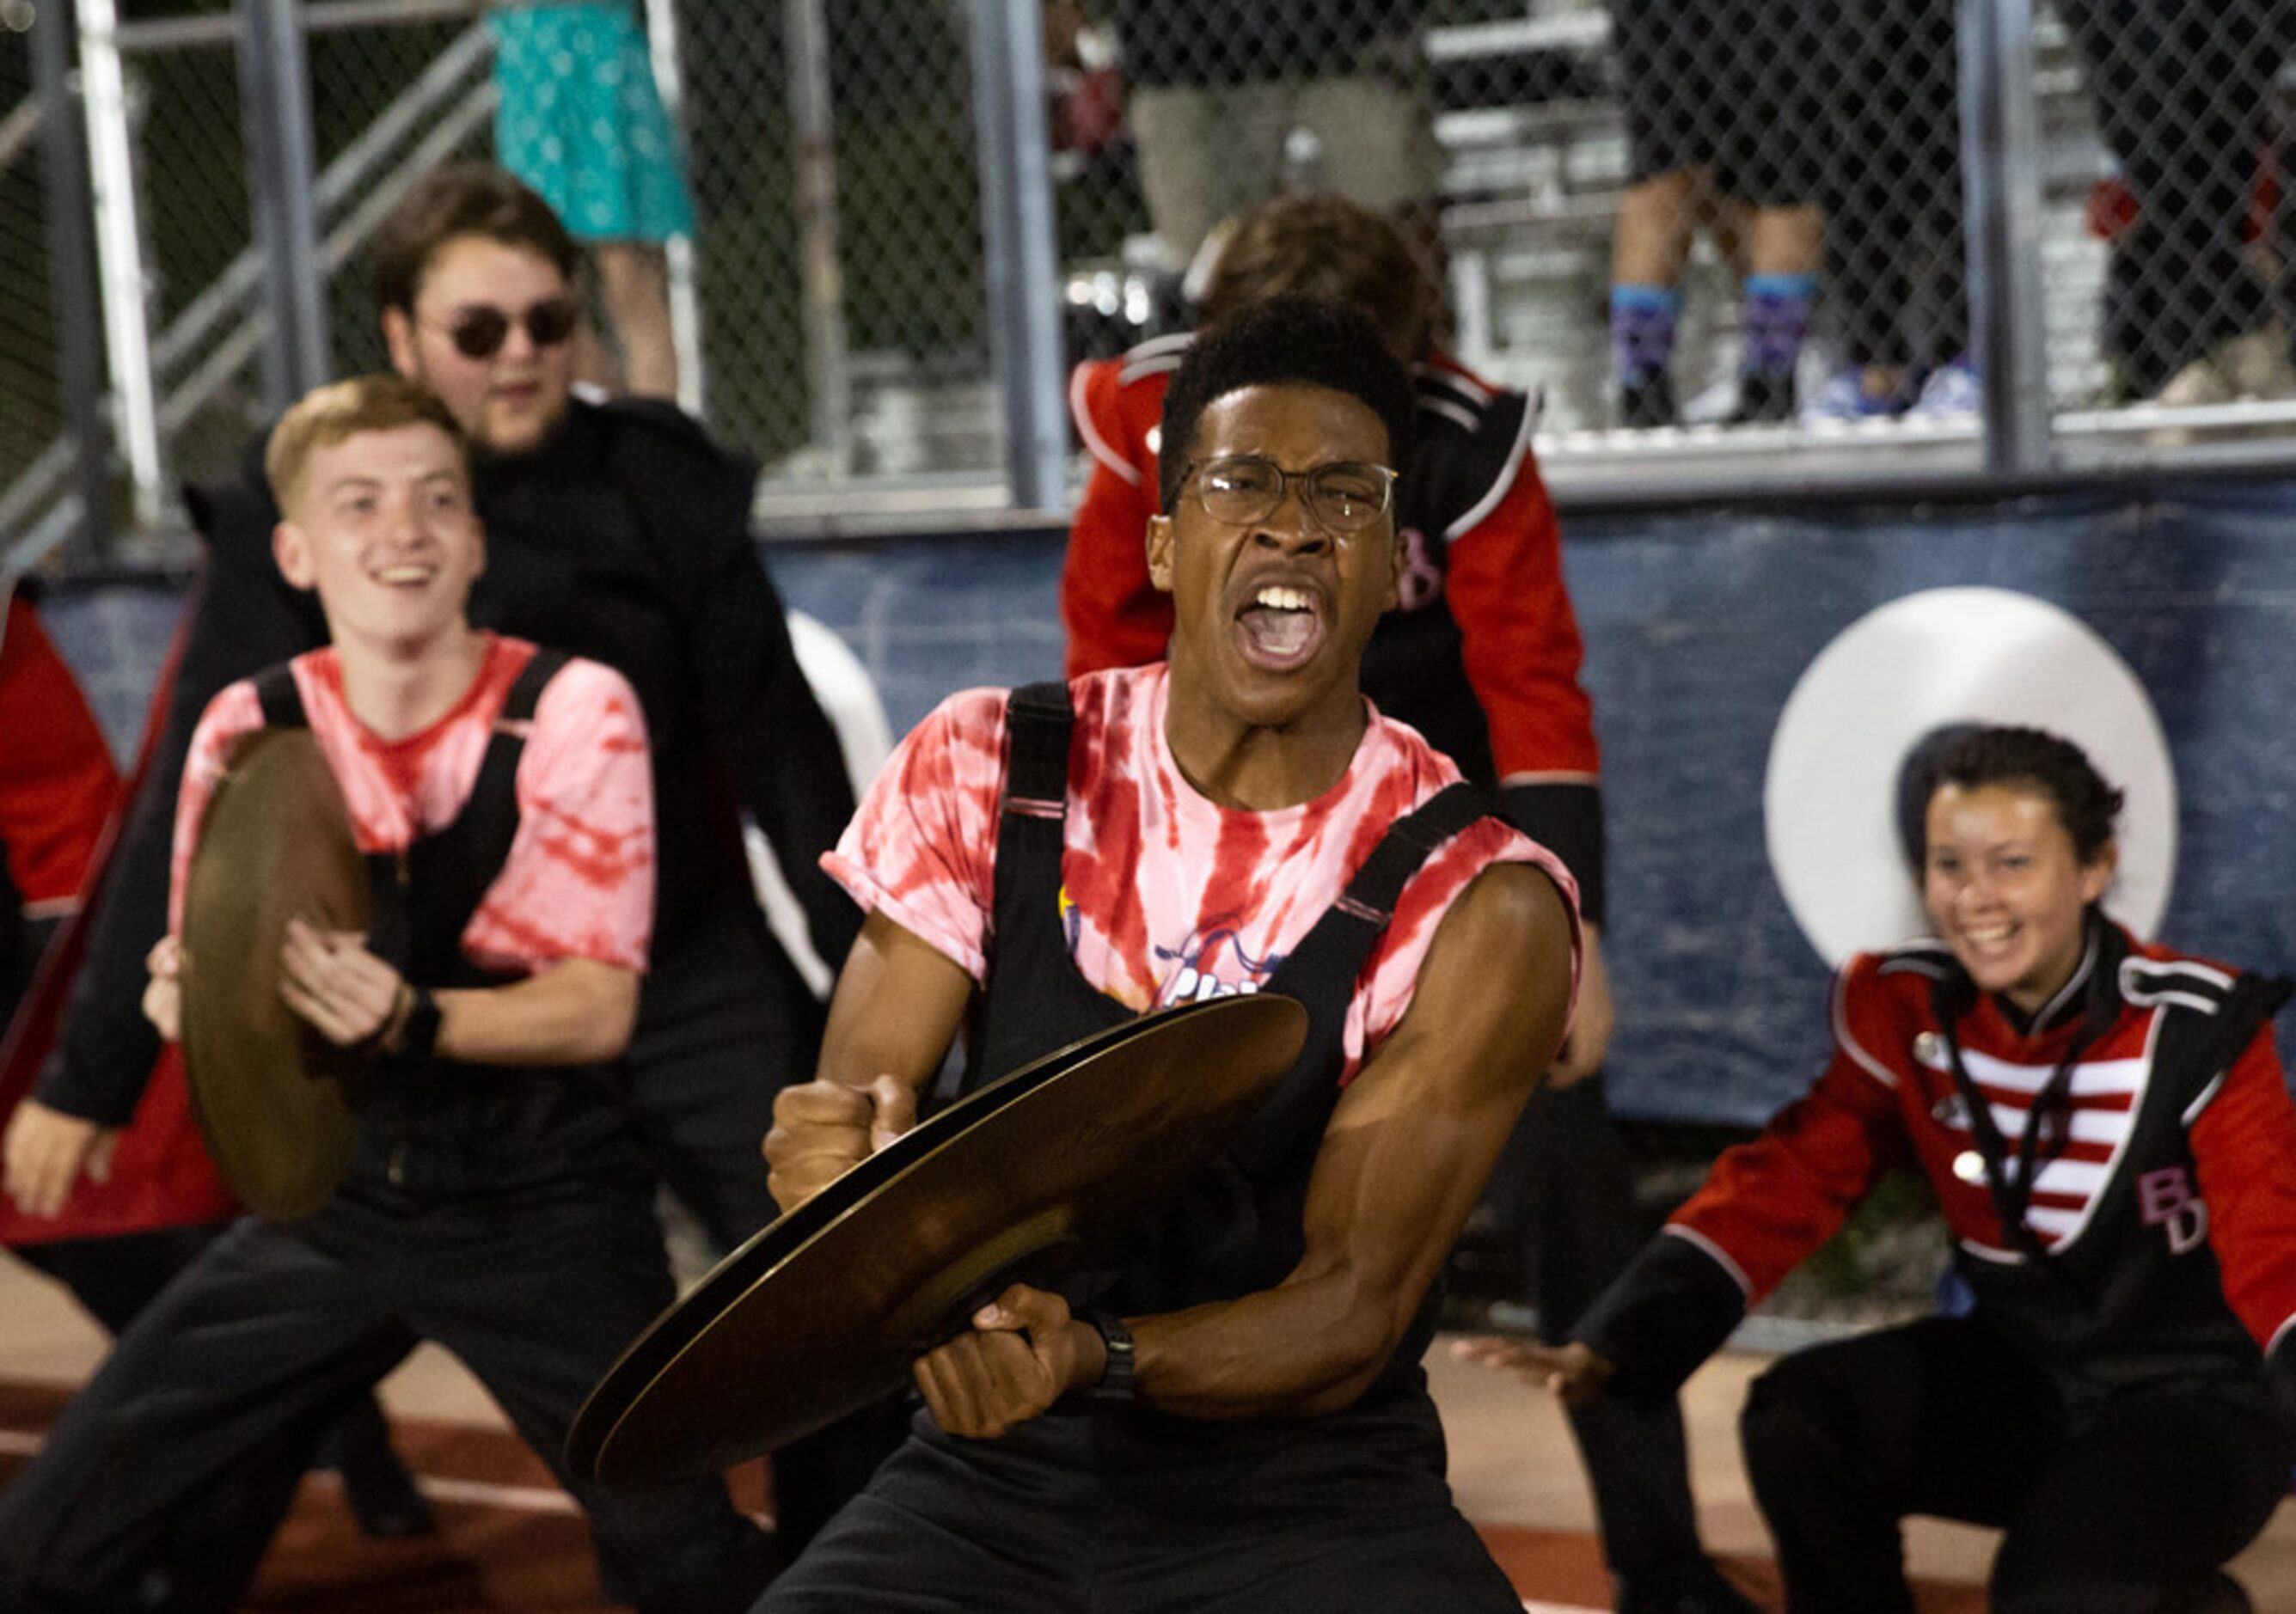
1117,1385
420,1035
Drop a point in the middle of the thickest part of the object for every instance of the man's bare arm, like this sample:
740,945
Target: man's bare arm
1401,1166
896,1009
575,1012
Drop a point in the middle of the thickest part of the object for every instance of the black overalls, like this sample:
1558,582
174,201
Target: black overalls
504,1214
1137,1510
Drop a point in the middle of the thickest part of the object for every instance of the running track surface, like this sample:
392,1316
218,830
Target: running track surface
512,1543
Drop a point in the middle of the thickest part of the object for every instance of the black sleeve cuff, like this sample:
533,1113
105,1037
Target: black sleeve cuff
2282,1364
1567,820
1664,1316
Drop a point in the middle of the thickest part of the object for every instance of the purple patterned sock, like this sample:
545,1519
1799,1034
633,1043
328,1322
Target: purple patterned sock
1776,322
1642,331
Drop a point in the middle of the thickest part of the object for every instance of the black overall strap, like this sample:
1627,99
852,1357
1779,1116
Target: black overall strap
449,870
1370,895
493,806
1322,971
1037,718
281,701
1012,1028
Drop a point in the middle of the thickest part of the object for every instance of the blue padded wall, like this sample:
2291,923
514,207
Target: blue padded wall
1697,627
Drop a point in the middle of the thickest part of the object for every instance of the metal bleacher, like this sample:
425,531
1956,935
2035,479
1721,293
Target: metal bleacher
1534,137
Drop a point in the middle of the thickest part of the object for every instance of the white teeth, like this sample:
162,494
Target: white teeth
405,574
1987,936
1277,597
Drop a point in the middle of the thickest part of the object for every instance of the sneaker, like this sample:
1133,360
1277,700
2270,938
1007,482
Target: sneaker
1765,397
2253,364
1953,389
1847,397
1648,403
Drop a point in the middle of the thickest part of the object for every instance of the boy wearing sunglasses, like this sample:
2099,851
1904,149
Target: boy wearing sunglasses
616,531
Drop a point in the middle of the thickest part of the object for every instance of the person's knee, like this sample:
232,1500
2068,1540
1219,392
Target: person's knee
1783,1430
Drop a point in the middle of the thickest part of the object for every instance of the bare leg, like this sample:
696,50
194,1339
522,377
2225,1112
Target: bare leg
636,284
1784,240
1647,254
1652,240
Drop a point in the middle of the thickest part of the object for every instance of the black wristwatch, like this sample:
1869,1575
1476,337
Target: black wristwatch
420,1033
1116,1386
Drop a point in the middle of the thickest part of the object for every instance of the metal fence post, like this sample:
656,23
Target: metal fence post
120,254
1022,268
274,98
662,49
71,269
828,363
2000,134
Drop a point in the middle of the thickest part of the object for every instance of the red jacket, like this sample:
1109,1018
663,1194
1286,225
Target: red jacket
2168,1216
58,786
60,793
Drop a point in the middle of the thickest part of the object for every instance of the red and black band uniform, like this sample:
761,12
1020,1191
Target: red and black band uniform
506,1214
2117,1174
1099,1507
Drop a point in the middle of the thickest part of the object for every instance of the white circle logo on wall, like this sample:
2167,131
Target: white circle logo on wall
1896,675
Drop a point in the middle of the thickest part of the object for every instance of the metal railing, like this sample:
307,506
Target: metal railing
915,215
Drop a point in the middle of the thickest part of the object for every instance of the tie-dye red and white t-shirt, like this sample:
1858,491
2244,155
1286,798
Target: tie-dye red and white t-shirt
579,880
1166,896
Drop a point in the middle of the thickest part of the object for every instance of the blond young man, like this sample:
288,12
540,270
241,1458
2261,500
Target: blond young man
497,1202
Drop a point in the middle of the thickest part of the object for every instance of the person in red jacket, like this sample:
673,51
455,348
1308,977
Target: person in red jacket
2108,1131
58,787
1480,654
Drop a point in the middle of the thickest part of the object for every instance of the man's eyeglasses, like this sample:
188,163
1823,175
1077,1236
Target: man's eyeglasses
479,330
1345,496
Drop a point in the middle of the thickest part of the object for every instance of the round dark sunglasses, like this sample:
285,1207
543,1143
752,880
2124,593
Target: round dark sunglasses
479,330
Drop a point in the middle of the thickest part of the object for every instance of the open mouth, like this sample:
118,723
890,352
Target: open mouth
406,575
1280,628
1989,940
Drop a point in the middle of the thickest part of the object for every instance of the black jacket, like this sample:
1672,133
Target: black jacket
1202,42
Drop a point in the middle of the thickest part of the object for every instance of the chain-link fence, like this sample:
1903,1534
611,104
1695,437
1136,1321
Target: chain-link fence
1750,212
843,134
29,370
1744,226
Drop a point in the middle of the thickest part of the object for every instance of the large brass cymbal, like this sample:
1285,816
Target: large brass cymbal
266,1087
825,1310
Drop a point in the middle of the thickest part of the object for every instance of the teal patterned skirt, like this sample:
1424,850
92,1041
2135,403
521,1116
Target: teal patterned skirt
582,122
